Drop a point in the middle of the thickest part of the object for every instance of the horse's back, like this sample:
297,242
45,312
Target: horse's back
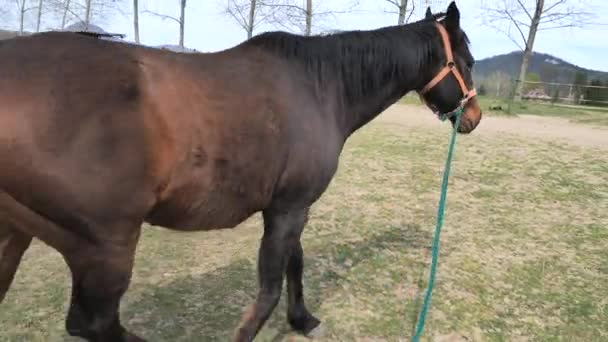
70,129
59,84
203,140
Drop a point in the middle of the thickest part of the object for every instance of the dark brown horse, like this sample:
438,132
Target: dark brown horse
97,137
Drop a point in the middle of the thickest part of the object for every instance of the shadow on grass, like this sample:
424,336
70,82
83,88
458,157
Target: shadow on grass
209,306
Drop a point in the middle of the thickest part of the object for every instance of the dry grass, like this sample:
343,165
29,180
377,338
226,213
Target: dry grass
590,115
523,257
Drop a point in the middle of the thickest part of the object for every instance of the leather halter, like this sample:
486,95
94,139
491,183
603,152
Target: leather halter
450,67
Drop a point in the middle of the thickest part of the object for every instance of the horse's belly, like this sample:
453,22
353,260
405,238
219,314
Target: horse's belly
197,221
207,211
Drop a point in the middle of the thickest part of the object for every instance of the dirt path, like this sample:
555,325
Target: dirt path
537,127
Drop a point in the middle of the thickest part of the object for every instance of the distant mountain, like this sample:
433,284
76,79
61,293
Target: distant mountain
550,68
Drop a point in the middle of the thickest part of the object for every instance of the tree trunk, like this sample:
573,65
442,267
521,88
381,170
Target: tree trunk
21,17
39,19
308,17
87,15
402,11
251,22
528,50
182,23
136,20
66,9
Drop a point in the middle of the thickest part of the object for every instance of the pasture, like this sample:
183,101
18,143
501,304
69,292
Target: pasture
595,116
524,250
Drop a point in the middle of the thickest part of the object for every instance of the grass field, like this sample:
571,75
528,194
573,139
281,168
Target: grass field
577,114
524,253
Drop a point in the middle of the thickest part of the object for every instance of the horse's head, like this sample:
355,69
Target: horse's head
450,86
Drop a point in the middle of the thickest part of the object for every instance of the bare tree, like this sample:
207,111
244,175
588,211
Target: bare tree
65,9
308,14
181,21
85,11
24,7
402,9
249,13
520,20
39,17
21,8
303,16
136,20
59,12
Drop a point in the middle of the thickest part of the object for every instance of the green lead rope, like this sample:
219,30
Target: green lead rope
440,212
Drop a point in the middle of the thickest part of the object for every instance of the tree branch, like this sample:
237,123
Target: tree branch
555,27
290,6
525,9
411,12
555,14
557,3
265,17
574,18
238,17
162,16
292,15
523,37
497,28
393,2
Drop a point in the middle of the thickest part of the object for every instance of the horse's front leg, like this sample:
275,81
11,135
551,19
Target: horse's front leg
281,232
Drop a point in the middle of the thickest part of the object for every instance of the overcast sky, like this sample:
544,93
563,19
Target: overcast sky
207,29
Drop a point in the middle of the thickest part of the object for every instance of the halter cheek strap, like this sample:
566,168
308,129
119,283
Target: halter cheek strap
450,67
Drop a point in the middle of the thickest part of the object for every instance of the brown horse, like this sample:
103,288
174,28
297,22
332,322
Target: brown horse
97,137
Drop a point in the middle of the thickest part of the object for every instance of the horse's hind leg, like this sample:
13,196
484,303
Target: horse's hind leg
298,316
101,266
13,244
280,231
100,276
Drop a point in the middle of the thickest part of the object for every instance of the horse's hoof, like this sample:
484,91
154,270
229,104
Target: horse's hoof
316,332
133,338
306,324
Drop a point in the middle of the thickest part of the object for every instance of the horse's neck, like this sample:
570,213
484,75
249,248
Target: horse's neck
359,74
399,79
360,113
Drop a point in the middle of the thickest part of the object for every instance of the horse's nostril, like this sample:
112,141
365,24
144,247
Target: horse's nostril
466,126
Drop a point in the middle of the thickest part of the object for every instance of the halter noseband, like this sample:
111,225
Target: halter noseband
450,67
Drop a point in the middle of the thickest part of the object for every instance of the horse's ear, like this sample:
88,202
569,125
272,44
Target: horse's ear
452,17
428,14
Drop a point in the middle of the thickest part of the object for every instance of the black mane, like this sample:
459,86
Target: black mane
363,60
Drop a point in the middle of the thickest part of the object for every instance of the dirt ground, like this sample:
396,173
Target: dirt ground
546,128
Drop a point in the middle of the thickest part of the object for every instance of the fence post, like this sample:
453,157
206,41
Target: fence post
511,96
